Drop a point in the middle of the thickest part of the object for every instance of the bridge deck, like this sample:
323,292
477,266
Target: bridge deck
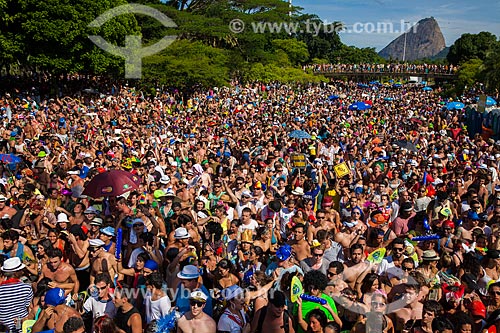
441,76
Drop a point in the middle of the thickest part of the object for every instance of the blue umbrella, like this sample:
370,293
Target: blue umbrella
10,158
427,89
359,106
455,106
490,101
388,99
332,97
298,134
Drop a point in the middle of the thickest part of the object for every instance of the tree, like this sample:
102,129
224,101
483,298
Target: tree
295,50
468,74
185,64
492,68
53,35
470,46
353,55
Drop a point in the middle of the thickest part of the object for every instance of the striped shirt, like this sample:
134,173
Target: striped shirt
15,299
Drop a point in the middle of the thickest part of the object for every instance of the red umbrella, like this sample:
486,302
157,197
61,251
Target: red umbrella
111,183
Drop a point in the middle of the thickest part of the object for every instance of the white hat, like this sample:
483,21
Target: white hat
437,182
62,217
198,295
298,191
165,179
393,164
96,242
91,210
174,164
181,233
201,215
96,221
189,272
40,197
246,193
483,166
232,292
414,163
3,198
74,172
12,265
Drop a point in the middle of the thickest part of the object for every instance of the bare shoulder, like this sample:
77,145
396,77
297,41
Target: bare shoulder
182,320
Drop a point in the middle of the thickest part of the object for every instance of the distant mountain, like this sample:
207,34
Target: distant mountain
442,54
424,40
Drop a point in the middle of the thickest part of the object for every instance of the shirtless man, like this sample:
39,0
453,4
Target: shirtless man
4,209
195,320
78,254
273,316
56,312
62,274
300,245
323,223
412,309
349,235
101,261
354,268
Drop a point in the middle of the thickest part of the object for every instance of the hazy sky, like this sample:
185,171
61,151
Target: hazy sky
454,17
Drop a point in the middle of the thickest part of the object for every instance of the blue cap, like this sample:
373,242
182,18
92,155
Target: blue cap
55,297
110,231
151,264
284,252
472,215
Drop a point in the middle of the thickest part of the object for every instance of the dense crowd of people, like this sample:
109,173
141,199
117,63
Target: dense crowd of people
389,68
253,208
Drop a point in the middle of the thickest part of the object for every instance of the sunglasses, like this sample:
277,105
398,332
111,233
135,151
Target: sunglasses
407,269
398,249
138,225
330,274
317,254
102,288
496,293
196,303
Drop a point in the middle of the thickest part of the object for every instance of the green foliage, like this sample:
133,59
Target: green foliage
188,63
295,50
53,35
353,55
471,46
469,73
272,72
492,68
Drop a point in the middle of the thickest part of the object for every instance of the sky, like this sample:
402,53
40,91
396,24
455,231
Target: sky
362,17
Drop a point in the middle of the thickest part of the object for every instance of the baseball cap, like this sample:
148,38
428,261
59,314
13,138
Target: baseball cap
477,308
284,252
54,297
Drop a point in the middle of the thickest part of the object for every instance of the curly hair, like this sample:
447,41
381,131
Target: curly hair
315,279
